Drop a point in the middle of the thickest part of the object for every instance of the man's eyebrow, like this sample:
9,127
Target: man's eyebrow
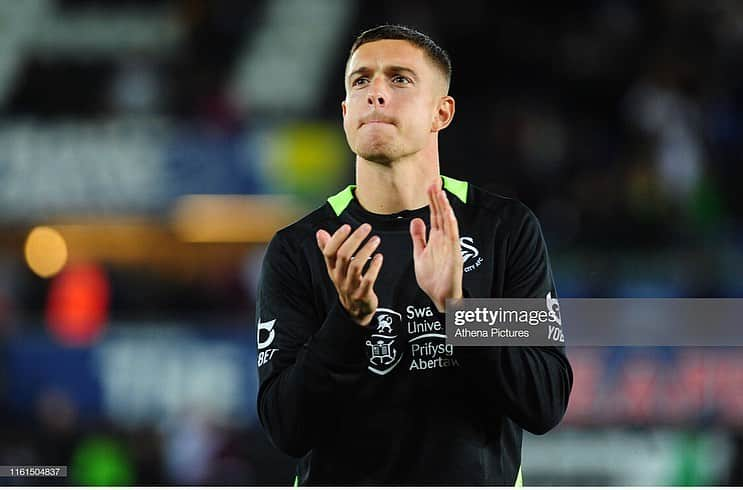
394,69
361,69
402,68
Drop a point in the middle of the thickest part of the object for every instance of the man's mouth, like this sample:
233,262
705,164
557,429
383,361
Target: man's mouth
376,121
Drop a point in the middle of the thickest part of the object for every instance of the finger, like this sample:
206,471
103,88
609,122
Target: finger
349,247
367,282
331,246
322,240
443,211
359,260
366,251
328,244
435,225
418,235
451,226
432,207
452,223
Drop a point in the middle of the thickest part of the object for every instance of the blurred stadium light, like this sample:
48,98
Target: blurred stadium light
46,251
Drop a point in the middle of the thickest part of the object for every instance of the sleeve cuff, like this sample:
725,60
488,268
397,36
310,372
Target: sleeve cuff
340,340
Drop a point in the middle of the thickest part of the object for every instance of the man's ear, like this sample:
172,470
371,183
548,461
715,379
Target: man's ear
343,108
444,114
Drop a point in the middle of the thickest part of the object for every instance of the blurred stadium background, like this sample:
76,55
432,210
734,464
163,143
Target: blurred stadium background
149,149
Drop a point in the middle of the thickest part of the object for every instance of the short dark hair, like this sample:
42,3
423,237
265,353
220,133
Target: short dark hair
434,52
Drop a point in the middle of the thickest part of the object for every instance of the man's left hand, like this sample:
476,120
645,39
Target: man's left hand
438,261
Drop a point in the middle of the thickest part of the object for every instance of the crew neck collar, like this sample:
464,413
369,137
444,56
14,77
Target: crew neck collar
400,219
341,200
346,201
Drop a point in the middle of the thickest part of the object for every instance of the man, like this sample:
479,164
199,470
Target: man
356,377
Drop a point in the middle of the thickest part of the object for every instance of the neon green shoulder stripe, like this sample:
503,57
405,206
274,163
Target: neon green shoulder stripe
456,187
339,201
296,481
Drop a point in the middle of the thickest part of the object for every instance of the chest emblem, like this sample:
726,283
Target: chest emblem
470,254
385,350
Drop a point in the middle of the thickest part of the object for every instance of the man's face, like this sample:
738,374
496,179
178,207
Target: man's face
392,97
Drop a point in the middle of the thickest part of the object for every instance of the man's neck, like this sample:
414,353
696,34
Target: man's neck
388,189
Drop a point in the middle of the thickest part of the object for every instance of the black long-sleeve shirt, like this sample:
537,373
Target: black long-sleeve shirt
393,402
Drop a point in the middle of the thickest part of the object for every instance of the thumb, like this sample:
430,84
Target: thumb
418,235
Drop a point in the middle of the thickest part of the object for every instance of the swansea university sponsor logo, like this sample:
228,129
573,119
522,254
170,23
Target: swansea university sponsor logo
384,349
427,342
470,254
266,332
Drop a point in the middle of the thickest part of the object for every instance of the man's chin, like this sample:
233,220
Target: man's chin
377,152
381,158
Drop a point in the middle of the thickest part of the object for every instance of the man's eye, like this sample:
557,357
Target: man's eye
359,81
400,79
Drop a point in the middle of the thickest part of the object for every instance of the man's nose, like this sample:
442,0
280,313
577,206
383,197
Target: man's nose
376,96
376,99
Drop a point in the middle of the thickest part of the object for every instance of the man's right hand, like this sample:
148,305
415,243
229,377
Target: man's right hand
345,262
